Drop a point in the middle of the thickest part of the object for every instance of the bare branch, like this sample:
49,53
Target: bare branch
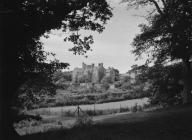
164,4
157,6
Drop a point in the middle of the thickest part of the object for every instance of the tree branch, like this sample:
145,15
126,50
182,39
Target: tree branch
157,6
164,4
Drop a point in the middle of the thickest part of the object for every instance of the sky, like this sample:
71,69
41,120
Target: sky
112,47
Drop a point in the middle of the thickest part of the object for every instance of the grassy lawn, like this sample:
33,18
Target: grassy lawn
172,123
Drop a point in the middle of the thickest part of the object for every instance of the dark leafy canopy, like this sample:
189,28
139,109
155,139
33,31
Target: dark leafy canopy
28,20
169,33
39,17
25,21
165,81
167,36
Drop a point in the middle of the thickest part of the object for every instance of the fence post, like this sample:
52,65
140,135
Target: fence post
49,111
94,110
62,112
78,111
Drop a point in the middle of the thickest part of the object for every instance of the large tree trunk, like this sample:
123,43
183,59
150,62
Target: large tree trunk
8,75
187,80
1,105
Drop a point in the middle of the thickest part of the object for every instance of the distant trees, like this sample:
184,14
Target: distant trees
167,36
64,76
116,74
62,79
126,79
107,79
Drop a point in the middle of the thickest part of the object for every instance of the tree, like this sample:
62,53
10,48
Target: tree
116,73
165,82
24,22
167,37
62,79
34,91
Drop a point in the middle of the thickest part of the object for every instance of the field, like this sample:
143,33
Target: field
65,117
166,124
103,106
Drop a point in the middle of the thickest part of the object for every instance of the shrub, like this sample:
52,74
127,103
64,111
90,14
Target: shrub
90,112
94,112
105,86
139,108
27,123
134,108
126,86
118,84
69,114
125,109
83,120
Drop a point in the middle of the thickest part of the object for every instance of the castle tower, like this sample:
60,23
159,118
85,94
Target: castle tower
88,73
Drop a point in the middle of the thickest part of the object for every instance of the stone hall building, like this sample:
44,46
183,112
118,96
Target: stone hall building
91,73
